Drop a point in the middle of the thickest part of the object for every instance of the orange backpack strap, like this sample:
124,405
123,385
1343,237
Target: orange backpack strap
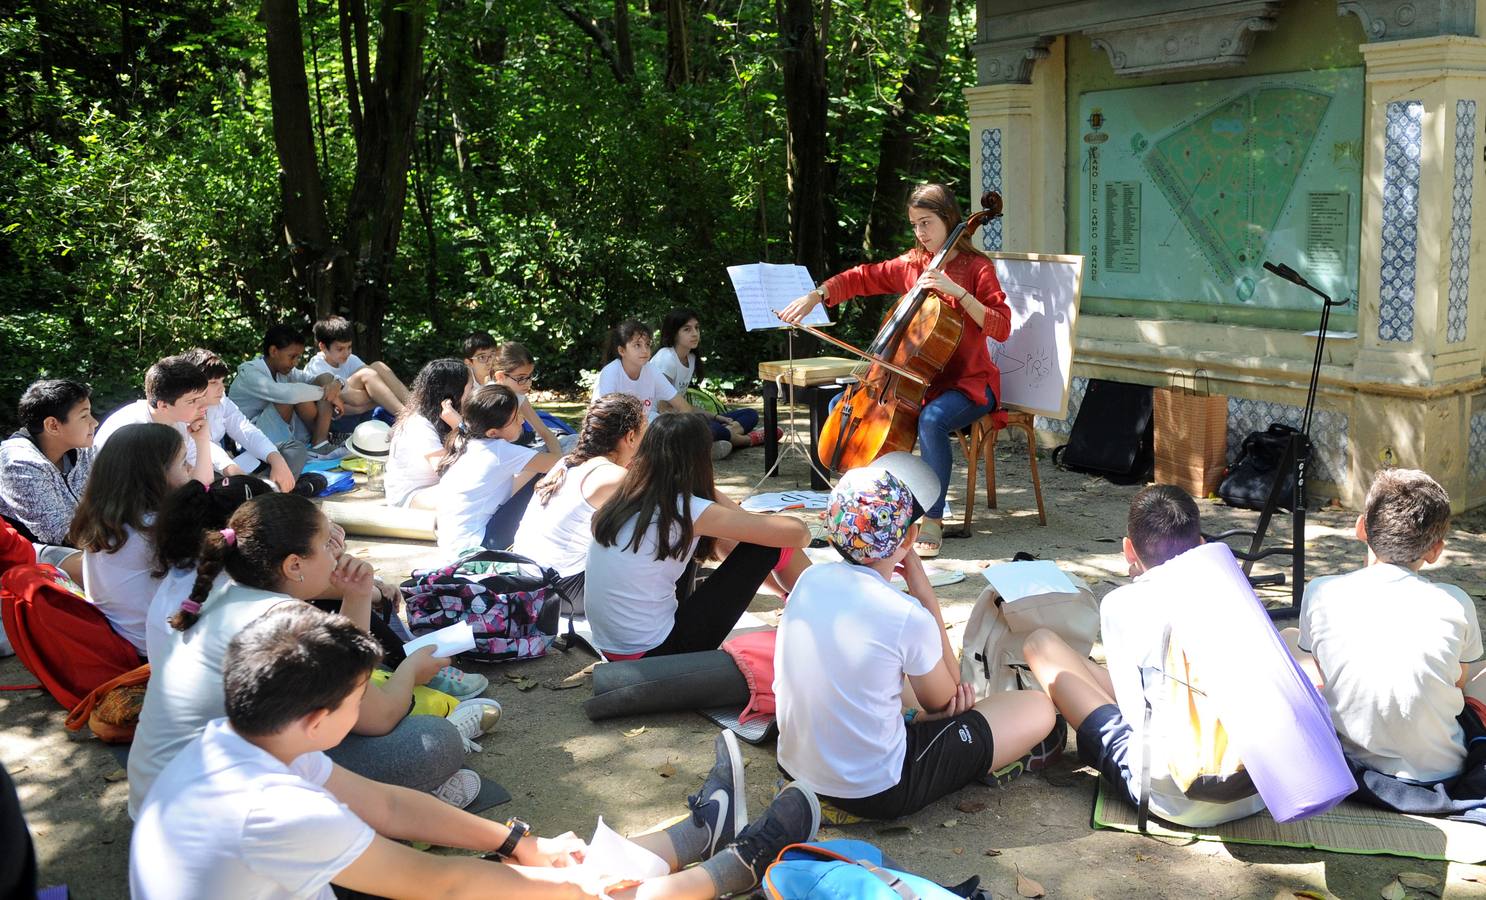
79,715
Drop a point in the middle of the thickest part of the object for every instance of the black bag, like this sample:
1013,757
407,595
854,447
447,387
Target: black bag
1250,476
1113,435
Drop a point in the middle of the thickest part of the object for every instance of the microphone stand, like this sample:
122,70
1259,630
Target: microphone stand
1295,461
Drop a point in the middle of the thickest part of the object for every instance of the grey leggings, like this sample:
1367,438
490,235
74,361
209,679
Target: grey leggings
420,753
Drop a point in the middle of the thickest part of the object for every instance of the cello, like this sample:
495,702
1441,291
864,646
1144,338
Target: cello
879,414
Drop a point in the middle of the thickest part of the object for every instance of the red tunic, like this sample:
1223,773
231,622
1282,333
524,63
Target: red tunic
970,370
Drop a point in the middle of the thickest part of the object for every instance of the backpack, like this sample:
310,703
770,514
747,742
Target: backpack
991,659
1113,434
1247,482
512,603
1200,758
851,870
60,637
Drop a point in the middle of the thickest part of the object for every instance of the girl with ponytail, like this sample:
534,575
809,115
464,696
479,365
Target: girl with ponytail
278,548
485,480
422,430
558,523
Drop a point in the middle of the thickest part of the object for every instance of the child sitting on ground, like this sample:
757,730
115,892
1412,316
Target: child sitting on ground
485,481
558,525
419,436
363,385
667,513
846,641
114,525
277,549
175,395
678,363
44,467
628,352
1108,707
1392,648
254,807
514,367
281,463
286,402
478,350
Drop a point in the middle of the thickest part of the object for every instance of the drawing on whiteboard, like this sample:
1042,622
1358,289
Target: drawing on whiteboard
1040,365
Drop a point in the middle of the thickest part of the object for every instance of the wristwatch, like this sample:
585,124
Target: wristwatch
519,830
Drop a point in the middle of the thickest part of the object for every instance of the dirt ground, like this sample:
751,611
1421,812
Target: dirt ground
564,770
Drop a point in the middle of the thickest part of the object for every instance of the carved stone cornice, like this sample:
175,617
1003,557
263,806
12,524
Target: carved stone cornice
1210,37
1394,20
1009,62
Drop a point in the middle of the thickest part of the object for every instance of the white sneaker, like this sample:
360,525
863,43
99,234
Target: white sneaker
460,790
474,718
721,449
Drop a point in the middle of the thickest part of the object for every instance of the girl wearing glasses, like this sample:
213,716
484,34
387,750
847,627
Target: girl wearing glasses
513,366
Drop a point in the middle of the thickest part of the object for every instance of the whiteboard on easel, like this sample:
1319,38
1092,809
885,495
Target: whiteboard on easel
1036,361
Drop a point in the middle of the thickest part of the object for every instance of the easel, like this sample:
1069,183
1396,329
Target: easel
1294,461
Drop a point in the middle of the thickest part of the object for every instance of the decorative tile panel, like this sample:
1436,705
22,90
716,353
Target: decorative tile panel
1477,458
1329,433
1460,220
1062,427
1400,241
990,180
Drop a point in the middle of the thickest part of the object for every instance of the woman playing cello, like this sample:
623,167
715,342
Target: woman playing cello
969,384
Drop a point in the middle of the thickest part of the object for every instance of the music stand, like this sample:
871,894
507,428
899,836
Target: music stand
1294,462
792,441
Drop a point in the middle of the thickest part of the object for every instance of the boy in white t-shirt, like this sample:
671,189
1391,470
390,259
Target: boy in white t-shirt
1391,649
363,385
253,808
846,641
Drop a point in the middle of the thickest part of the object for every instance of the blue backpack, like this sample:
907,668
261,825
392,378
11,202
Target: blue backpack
850,870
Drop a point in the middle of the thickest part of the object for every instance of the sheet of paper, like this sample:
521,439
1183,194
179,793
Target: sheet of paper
765,287
456,638
1015,580
778,500
619,858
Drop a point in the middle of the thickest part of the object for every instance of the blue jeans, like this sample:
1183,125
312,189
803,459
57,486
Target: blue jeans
500,531
941,417
747,419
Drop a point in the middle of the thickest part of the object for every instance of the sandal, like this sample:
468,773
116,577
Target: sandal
931,536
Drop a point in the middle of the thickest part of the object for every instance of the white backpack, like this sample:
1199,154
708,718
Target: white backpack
991,658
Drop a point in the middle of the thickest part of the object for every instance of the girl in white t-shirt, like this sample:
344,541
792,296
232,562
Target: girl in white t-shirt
665,514
628,351
678,362
558,524
114,522
418,438
485,480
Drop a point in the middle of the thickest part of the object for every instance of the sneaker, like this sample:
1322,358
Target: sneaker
793,818
721,806
460,790
457,684
721,449
1037,759
328,449
756,437
474,718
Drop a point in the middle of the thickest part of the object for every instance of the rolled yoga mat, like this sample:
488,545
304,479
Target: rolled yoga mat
1271,711
379,520
666,684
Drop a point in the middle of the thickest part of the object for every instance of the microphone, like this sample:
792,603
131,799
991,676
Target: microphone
1288,274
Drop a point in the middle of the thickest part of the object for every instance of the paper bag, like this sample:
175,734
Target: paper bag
1191,436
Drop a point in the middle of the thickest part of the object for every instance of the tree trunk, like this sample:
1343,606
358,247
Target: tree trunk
589,26
306,229
897,154
678,46
622,45
379,193
805,99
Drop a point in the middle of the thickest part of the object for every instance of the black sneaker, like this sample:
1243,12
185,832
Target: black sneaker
793,818
1038,758
721,806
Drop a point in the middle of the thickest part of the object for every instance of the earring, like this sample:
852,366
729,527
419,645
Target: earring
301,578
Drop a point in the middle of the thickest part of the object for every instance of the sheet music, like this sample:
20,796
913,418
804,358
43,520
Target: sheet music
764,287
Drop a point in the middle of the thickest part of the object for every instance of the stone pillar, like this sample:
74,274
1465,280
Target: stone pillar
1421,339
1011,125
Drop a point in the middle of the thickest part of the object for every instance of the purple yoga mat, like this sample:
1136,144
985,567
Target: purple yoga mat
1273,714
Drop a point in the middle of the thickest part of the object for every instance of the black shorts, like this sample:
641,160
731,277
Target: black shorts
942,757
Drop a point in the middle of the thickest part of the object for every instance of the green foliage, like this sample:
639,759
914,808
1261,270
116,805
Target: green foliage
139,207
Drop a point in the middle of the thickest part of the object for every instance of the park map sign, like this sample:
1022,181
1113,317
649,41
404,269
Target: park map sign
1188,188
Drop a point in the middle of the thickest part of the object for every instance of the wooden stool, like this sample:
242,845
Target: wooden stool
979,440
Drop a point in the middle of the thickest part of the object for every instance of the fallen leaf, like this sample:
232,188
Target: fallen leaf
526,684
1141,857
563,685
635,732
1026,886
116,775
665,770
1393,890
1309,895
970,806
990,852
949,823
895,829
1417,880
580,674
958,851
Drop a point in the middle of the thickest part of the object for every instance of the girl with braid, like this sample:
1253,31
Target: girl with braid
557,526
278,548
